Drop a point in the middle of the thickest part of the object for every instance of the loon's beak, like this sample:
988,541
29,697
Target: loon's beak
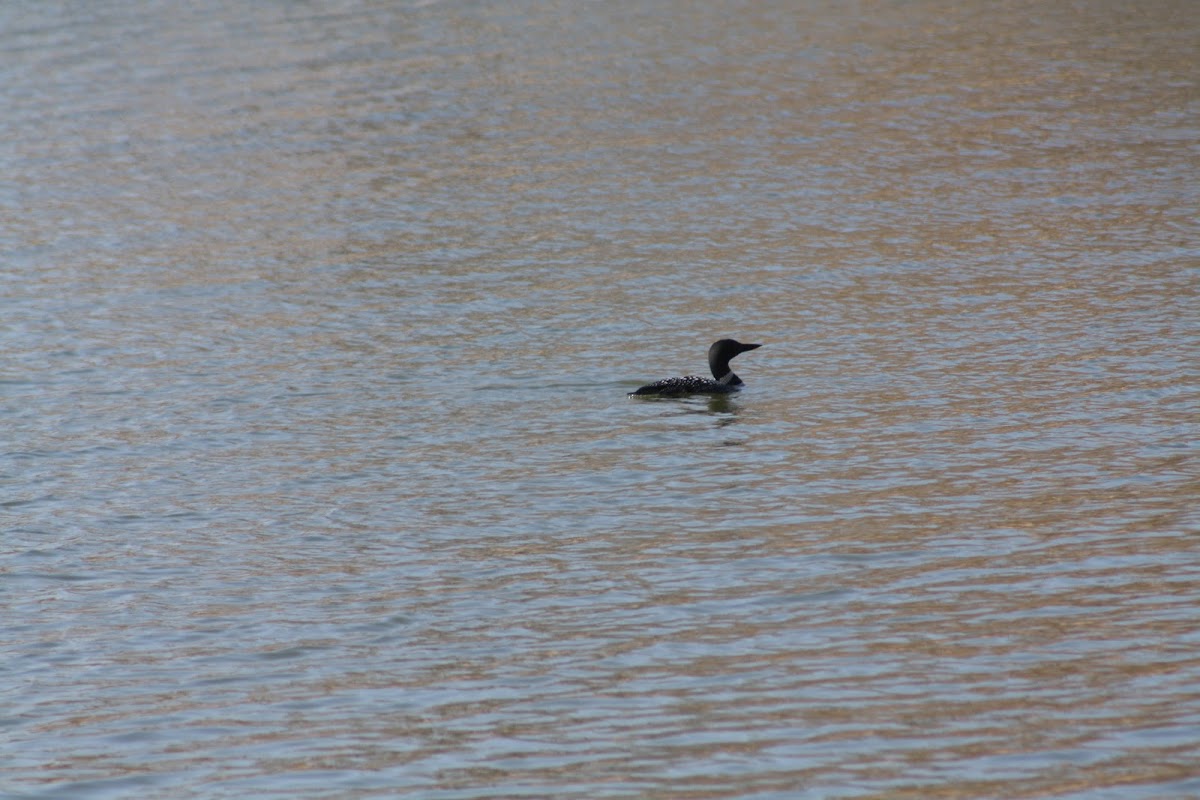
746,347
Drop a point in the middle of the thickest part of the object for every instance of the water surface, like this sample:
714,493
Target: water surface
319,478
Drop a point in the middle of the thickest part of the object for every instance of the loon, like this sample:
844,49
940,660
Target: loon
719,356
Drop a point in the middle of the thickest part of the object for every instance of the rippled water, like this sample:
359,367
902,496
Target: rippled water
319,477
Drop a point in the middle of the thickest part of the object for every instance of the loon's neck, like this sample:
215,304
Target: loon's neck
722,373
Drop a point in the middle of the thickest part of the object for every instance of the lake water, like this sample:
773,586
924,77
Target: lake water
318,478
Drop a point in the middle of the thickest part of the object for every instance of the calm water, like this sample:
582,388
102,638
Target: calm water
318,475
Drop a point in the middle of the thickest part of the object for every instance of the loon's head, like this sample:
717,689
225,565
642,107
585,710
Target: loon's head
719,356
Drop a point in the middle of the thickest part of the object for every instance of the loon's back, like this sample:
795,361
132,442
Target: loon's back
692,384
